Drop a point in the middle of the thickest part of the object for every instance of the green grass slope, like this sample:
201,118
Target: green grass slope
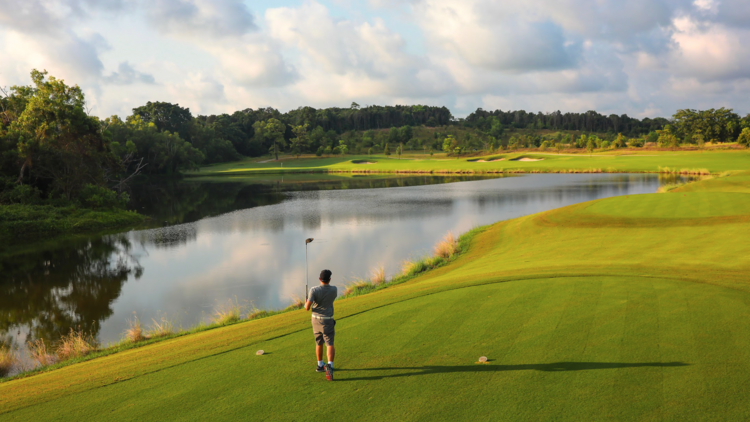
712,161
629,308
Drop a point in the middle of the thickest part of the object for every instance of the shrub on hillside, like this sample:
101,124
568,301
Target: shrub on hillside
98,197
21,194
635,143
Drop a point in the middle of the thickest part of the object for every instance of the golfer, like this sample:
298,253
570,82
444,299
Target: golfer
321,300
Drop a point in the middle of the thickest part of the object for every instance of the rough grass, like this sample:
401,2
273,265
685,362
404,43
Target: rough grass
75,344
446,247
378,275
39,353
228,312
297,303
134,332
161,328
616,319
8,360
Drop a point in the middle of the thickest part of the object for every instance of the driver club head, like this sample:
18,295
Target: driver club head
308,240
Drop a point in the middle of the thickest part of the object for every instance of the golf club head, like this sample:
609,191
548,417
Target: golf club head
308,240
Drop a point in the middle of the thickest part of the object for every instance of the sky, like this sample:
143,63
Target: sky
644,58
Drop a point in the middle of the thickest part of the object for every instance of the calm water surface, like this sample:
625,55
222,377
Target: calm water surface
244,239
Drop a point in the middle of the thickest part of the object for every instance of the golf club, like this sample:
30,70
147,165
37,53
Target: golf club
307,272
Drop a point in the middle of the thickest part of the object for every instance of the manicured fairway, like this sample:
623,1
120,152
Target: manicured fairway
602,310
713,161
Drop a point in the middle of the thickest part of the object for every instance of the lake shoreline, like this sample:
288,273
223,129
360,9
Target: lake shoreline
30,223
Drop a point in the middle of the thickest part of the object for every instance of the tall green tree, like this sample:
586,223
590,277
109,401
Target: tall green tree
272,131
165,152
620,141
166,116
394,136
405,133
300,140
54,140
343,148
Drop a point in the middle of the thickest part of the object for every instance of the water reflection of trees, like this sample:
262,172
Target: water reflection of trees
45,293
178,201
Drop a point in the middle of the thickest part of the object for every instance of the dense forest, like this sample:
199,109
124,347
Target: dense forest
53,151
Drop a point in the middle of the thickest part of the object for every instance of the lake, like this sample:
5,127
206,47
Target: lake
212,240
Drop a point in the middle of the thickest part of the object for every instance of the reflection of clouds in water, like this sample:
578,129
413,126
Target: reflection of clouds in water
258,254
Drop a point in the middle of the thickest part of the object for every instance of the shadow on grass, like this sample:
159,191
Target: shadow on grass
478,368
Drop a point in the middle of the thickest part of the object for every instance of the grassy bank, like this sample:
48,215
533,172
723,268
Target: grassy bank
628,308
29,222
688,162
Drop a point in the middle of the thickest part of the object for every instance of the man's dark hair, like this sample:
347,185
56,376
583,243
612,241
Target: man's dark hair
325,276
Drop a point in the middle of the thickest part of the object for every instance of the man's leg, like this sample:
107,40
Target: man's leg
319,352
331,353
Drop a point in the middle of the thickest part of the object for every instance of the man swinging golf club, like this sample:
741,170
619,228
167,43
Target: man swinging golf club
320,301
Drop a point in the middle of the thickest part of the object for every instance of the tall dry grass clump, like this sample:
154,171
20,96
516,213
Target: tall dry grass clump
39,353
297,303
161,328
407,266
446,247
75,344
134,332
228,312
410,267
354,286
8,360
256,313
378,275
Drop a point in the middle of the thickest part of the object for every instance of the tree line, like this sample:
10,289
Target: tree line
51,148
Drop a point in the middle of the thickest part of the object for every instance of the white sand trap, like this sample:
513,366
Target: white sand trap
489,161
364,162
530,159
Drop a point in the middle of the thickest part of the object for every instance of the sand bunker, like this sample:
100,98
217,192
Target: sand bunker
528,159
489,161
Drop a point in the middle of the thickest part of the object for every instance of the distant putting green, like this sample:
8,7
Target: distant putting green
588,312
686,161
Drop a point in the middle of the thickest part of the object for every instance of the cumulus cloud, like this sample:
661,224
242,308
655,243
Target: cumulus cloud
198,18
127,75
639,56
197,92
493,38
344,59
712,52
66,55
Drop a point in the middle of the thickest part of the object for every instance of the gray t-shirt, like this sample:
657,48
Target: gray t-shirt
322,298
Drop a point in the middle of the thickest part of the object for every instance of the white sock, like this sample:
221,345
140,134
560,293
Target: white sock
330,364
320,363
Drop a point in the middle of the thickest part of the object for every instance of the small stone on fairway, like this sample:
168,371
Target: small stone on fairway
483,359
259,352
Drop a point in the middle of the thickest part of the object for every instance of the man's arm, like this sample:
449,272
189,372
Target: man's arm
309,301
